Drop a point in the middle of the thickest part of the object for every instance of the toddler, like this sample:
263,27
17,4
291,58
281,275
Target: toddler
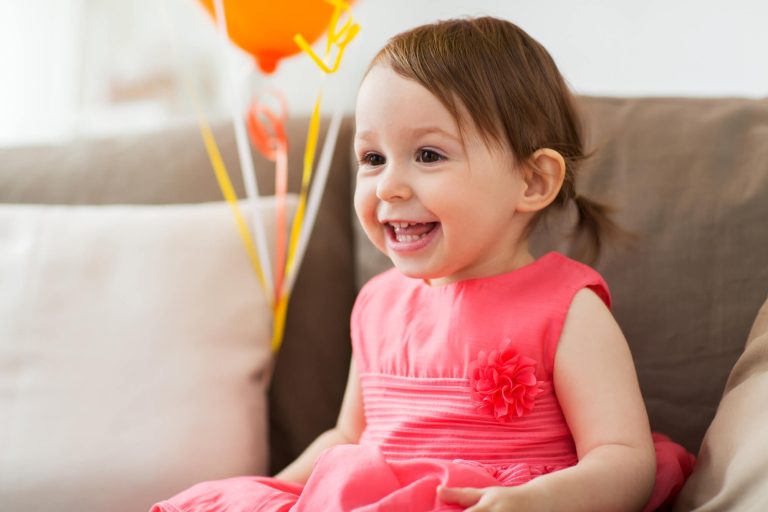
482,378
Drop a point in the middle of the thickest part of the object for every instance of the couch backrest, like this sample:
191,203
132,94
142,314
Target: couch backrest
689,176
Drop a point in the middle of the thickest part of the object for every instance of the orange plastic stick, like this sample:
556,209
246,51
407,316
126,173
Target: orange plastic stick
273,144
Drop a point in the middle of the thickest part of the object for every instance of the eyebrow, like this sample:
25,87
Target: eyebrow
435,129
416,132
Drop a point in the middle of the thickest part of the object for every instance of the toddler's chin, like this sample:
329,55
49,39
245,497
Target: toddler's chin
412,271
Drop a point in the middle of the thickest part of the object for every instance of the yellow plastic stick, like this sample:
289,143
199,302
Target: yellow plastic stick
319,179
228,191
340,38
309,158
225,184
244,155
280,313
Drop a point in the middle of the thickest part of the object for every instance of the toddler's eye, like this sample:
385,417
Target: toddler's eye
428,156
373,159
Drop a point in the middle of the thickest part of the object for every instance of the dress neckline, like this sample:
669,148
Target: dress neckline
421,283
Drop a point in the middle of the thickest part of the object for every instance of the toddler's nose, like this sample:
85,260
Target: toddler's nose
393,185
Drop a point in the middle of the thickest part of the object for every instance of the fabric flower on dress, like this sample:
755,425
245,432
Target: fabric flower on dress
503,383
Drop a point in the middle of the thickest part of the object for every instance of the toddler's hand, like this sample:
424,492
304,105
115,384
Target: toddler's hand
489,499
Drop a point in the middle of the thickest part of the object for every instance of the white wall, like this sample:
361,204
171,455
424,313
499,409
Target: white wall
603,47
62,60
38,59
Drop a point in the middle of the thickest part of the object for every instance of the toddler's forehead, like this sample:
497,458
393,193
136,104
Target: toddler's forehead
385,92
390,92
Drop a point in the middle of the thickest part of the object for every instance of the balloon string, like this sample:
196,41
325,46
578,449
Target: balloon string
274,147
244,154
309,157
281,191
280,315
283,296
214,155
318,185
340,38
228,191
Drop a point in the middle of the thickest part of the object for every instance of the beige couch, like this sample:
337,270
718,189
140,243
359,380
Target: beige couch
134,339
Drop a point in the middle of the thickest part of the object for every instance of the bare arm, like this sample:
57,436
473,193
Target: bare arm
597,388
596,384
348,428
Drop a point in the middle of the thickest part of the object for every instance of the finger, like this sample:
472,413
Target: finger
463,496
484,505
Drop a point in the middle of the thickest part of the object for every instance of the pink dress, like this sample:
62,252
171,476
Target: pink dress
457,390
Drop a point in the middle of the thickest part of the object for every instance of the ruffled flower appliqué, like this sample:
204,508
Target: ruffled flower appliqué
503,383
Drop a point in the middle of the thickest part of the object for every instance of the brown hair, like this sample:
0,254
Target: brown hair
514,94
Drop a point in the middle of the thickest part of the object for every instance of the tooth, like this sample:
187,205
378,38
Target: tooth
408,238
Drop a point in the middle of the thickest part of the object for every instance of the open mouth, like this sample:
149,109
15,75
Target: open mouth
410,235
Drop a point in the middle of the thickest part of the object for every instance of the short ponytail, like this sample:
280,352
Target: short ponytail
594,227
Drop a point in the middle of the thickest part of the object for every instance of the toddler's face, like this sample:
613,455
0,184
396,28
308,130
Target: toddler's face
442,207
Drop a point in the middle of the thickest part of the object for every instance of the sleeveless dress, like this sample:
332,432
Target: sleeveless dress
457,390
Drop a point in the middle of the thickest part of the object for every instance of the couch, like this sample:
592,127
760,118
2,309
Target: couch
134,338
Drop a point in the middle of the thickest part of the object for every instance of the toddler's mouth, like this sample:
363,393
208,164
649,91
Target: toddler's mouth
409,232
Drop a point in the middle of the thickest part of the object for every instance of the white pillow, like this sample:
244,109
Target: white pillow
733,459
134,354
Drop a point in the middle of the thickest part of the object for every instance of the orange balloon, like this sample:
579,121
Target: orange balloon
265,28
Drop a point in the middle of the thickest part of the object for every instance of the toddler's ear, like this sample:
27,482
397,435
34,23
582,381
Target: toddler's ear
543,176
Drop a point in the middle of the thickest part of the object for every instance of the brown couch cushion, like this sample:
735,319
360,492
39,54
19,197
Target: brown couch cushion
733,461
690,177
171,166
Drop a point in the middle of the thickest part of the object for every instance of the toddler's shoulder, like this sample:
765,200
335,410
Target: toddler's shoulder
572,277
